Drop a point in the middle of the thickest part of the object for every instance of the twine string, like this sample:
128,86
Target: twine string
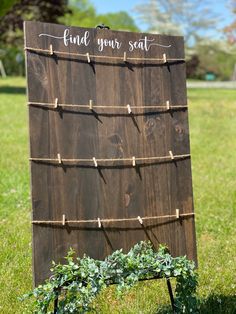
85,55
99,160
124,107
106,220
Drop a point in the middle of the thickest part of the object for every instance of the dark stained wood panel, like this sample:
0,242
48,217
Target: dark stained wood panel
116,189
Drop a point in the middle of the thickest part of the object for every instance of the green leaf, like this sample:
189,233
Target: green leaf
78,283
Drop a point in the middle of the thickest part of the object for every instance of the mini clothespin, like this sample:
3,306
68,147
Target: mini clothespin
63,220
59,158
51,50
56,103
177,213
133,161
140,220
88,57
125,56
171,154
99,223
95,162
129,109
164,58
167,105
90,104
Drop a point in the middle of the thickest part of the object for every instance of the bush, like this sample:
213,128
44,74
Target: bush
215,60
13,60
192,66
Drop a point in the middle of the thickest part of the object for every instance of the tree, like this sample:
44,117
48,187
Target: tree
178,17
69,12
230,30
118,21
11,24
84,14
192,66
14,12
5,6
217,57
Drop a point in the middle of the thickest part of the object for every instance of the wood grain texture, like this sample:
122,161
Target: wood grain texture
117,190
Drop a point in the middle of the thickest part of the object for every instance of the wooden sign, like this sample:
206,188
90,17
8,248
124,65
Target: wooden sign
109,143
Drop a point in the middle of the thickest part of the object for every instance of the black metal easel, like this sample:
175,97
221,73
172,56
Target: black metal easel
172,300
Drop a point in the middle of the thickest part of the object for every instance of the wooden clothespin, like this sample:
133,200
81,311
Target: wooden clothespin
167,105
171,154
63,220
140,220
95,162
125,56
164,58
59,158
51,50
88,57
56,103
133,161
90,104
177,213
99,223
129,109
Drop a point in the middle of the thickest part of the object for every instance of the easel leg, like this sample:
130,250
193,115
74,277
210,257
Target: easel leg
171,295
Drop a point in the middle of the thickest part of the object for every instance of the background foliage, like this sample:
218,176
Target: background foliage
192,18
178,17
213,56
83,13
230,30
73,13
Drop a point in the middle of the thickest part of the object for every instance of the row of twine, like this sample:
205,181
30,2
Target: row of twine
100,221
164,59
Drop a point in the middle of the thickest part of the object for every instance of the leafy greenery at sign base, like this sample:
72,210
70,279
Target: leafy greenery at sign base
78,282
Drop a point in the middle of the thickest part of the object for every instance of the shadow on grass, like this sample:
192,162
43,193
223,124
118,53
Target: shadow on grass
214,304
12,90
217,303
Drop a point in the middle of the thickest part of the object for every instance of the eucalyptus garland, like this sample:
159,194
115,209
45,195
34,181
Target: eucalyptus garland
77,283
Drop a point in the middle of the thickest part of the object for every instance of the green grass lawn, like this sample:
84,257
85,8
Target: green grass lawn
213,149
